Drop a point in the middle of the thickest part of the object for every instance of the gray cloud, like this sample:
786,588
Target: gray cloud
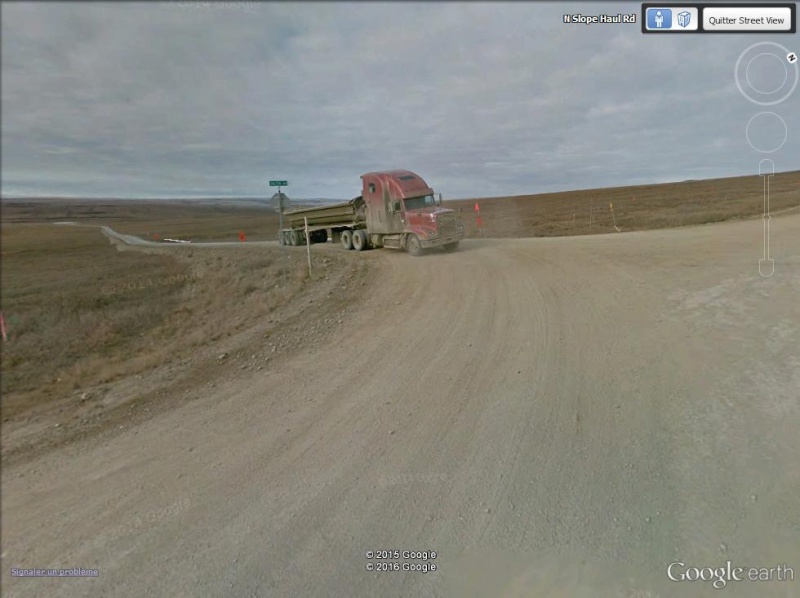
214,99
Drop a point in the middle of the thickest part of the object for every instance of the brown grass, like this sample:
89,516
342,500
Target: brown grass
80,313
151,219
635,208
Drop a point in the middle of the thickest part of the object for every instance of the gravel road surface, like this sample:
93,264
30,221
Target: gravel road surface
552,417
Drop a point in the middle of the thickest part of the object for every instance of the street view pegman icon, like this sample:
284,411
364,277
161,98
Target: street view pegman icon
684,18
791,57
659,18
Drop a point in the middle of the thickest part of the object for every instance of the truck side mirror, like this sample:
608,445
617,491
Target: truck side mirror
440,199
395,206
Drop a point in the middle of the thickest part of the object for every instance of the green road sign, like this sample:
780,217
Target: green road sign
279,183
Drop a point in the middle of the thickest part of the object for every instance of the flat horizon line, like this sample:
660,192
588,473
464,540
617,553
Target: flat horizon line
325,199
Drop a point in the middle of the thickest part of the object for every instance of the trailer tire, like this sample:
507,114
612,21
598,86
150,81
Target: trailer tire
347,239
359,240
294,238
413,245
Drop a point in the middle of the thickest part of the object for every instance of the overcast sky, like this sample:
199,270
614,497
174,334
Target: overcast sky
214,99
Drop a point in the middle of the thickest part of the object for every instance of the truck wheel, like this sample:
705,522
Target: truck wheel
451,247
347,239
413,246
359,240
294,238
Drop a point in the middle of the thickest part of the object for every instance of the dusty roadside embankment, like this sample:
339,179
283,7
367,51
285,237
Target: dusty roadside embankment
103,334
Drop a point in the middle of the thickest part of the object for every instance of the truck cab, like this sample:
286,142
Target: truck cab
402,211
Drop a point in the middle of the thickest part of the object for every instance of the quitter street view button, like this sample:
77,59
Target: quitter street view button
747,18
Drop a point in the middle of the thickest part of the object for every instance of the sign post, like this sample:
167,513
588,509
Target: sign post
308,246
281,240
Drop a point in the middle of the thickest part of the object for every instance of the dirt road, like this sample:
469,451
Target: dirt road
553,417
133,240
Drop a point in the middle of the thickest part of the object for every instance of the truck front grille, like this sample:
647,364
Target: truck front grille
447,225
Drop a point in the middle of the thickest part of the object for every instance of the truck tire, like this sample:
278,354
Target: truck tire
294,238
413,246
359,240
347,239
451,246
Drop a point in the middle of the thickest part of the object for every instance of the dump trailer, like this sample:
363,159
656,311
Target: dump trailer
396,209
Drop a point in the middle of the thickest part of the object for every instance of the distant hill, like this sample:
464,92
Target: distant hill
249,201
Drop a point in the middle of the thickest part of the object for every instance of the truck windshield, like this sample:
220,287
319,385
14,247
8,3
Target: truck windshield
416,203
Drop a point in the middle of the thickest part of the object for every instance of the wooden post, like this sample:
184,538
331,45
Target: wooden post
308,246
611,206
280,234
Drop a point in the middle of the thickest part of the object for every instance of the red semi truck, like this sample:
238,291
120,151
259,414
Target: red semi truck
396,209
